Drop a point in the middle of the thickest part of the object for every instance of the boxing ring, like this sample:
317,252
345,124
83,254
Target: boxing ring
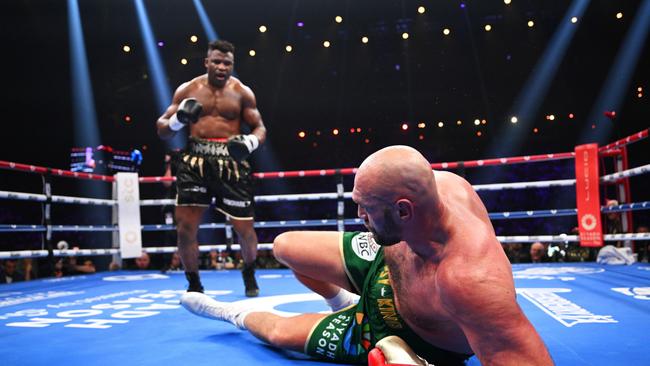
586,313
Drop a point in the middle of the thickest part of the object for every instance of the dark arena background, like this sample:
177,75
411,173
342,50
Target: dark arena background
465,83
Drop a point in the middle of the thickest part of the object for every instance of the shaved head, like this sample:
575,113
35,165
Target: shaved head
389,187
395,172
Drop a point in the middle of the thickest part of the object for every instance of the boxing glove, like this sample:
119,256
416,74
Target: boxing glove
188,112
393,351
240,146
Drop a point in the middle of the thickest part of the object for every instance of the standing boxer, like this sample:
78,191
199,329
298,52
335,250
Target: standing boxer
213,106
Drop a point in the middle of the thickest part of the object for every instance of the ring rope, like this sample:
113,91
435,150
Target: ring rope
634,206
329,195
58,199
625,140
329,172
561,238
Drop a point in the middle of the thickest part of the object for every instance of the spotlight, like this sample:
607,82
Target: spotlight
251,53
127,118
288,48
421,137
446,31
619,15
639,89
352,130
326,44
338,19
405,35
405,126
514,119
364,39
483,122
535,130
479,133
161,43
531,24
488,27
184,61
194,39
335,131
571,116
574,19
423,125
300,24
421,9
459,122
551,117
359,129
302,134
507,2
367,141
262,28
477,122
440,124
126,48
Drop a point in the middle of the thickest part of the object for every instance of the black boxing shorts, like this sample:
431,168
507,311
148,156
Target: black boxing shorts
206,170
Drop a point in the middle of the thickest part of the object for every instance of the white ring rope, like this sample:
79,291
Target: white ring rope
633,206
58,199
561,238
626,173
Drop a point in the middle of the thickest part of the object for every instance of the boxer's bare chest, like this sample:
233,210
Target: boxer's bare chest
419,304
221,103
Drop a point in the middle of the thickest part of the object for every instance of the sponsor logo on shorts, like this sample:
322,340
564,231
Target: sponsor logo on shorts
210,148
195,189
234,203
364,246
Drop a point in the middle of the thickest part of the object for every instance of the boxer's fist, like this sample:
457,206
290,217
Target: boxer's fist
188,112
393,351
240,146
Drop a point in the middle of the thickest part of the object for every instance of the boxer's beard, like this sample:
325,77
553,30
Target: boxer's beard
391,233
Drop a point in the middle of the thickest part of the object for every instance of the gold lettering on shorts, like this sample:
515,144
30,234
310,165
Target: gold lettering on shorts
388,312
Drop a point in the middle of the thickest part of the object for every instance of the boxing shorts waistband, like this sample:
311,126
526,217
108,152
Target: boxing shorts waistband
211,147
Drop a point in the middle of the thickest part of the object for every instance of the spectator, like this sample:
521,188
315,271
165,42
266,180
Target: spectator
9,273
143,261
28,269
174,263
266,260
219,260
72,267
613,224
114,266
513,251
538,253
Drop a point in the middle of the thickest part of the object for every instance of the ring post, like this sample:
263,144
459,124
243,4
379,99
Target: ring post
340,199
117,257
228,230
47,219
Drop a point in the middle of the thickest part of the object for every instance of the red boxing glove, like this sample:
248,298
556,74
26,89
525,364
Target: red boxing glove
393,351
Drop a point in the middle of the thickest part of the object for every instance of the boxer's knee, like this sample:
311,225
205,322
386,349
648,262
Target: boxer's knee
283,246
